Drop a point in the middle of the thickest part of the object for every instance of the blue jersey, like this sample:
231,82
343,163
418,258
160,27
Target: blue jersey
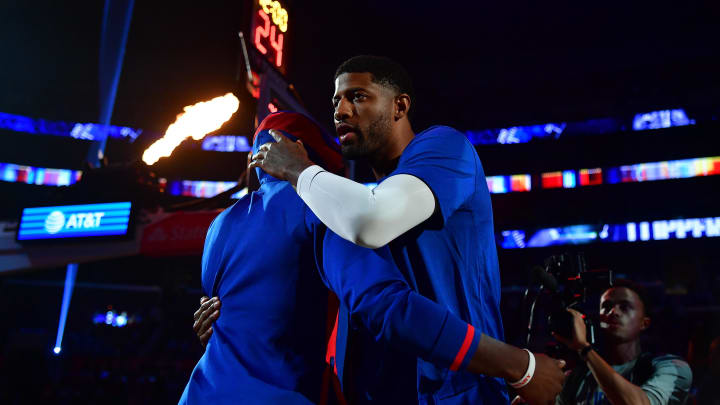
451,258
268,345
384,325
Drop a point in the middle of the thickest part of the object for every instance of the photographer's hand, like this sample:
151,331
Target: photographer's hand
618,390
578,340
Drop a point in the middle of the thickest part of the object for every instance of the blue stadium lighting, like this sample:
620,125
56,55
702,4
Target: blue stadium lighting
86,131
121,320
661,119
569,179
111,318
523,134
67,294
74,221
226,143
692,228
520,134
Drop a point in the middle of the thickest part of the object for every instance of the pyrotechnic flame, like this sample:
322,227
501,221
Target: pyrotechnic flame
197,121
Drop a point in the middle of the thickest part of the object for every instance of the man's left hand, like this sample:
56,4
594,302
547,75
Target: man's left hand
578,341
204,318
284,159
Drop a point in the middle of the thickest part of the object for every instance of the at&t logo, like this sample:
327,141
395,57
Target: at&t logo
54,222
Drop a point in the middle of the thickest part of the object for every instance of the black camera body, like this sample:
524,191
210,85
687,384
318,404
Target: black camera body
568,281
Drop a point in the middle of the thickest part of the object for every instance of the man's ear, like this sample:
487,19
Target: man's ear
645,323
402,106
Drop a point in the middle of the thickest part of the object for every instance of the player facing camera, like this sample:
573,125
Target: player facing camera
616,370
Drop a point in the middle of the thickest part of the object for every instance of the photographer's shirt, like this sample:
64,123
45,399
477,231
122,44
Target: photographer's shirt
665,380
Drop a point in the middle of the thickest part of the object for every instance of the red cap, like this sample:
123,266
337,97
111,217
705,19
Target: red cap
321,146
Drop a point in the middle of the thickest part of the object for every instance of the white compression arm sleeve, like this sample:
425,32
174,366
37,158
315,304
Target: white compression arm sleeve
369,218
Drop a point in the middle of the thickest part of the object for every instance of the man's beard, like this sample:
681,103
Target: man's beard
368,141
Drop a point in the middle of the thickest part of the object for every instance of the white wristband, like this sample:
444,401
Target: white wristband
528,374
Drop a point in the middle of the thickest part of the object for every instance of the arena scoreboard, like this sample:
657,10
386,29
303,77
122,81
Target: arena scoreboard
268,48
269,31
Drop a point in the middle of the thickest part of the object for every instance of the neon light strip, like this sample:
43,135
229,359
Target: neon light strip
87,131
38,175
523,134
668,170
692,228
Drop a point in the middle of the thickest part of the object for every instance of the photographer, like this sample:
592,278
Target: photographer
620,373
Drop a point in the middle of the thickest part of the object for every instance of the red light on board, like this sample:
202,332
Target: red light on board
254,85
277,44
715,169
590,177
552,180
262,31
520,182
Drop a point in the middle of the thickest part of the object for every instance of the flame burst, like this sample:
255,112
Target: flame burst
197,121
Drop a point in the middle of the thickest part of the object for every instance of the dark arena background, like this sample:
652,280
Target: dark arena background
597,126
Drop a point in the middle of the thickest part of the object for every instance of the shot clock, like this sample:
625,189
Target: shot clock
269,29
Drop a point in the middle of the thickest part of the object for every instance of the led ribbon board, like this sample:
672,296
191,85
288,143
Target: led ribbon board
77,130
38,175
74,221
641,172
690,228
554,130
